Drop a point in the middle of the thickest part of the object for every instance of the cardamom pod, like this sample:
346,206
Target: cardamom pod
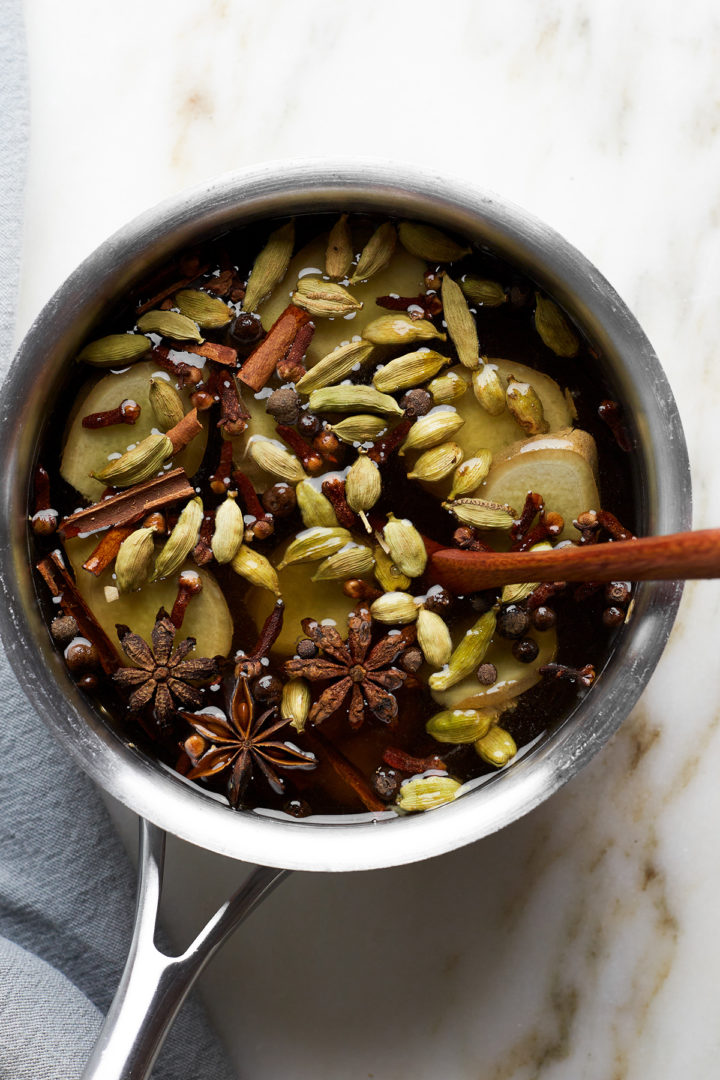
513,594
400,330
447,388
363,486
134,560
460,323
273,458
429,243
488,388
256,569
483,292
397,608
351,561
426,793
481,513
435,464
315,543
335,366
433,637
170,324
461,725
295,703
405,546
339,253
181,540
324,299
526,407
209,312
554,329
270,267
115,350
468,654
376,254
410,370
138,464
389,577
315,508
166,403
349,398
229,529
470,474
497,747
430,430
359,429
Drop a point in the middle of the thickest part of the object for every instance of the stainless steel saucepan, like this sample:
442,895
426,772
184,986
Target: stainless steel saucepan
154,986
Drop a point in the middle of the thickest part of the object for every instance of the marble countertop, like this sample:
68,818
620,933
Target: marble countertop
580,943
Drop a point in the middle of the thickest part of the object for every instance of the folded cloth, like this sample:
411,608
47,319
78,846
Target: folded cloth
66,883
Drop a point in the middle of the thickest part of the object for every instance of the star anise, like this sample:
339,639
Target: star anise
242,742
370,677
160,672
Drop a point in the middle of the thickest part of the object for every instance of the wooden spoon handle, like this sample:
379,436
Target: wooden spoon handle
679,556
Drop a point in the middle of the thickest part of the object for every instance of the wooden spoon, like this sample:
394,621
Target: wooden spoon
677,557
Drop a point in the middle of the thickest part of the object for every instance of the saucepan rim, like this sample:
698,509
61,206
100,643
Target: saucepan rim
281,188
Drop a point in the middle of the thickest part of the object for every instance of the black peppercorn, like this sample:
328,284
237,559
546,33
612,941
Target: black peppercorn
284,405
543,618
617,593
267,689
513,621
487,674
63,629
279,500
297,808
525,650
481,602
246,329
81,655
308,425
386,783
612,617
416,403
88,682
306,649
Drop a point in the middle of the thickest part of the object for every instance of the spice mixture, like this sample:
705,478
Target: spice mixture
267,442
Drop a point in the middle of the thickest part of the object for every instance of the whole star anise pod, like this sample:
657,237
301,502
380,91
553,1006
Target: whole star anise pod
369,677
160,672
241,742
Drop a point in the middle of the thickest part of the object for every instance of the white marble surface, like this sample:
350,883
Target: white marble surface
581,942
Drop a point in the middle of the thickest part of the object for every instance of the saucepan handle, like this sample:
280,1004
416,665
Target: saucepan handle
154,985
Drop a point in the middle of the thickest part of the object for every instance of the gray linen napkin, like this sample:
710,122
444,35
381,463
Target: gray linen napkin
66,884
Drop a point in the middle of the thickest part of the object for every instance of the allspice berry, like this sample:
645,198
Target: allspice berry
267,689
386,783
513,621
81,655
284,406
63,629
411,660
279,500
487,674
416,403
306,649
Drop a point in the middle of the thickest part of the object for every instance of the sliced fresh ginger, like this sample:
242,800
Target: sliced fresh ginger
513,677
562,467
207,617
87,450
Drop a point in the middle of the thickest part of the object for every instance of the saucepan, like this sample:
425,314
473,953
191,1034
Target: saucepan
154,985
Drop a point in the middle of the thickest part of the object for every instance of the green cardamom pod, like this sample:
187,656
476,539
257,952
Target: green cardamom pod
315,508
488,388
115,350
460,323
273,458
349,398
134,560
433,637
229,530
422,793
324,299
394,608
359,429
429,243
526,407
339,254
481,513
256,569
461,725
497,747
438,425
437,463
295,703
351,561
170,324
468,654
389,577
447,388
181,540
405,546
209,312
166,403
513,594
470,474
554,329
270,267
376,254
400,330
335,366
482,292
138,464
410,370
313,544
363,486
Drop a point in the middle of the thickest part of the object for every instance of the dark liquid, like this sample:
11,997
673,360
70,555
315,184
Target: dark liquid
506,331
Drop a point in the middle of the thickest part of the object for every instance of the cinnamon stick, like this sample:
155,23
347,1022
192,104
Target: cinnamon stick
129,506
261,362
677,557
221,354
60,584
107,549
184,432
